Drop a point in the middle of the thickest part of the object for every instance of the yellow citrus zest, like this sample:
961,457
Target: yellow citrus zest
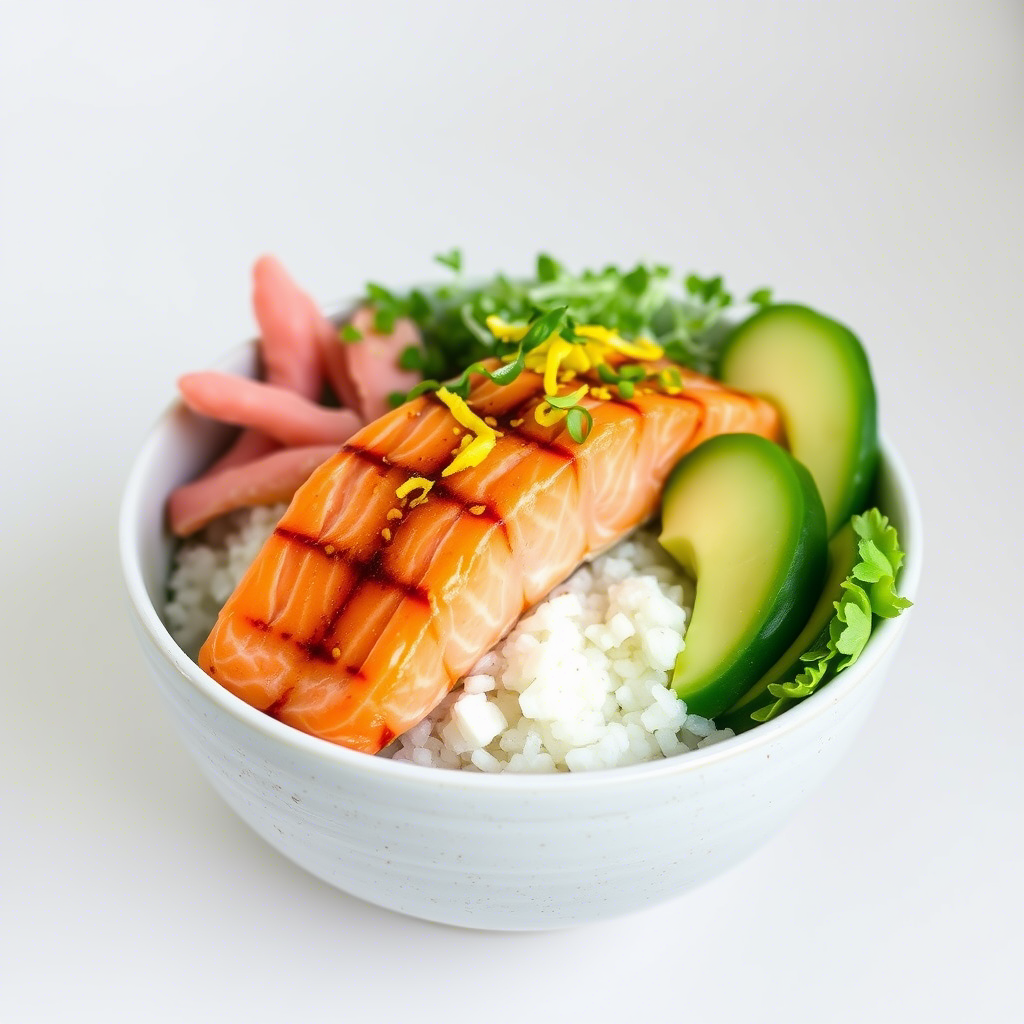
557,350
472,451
547,416
504,331
642,348
557,359
415,483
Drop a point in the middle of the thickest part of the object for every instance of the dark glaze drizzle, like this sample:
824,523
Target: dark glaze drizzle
369,569
683,395
567,455
277,707
317,647
316,650
440,489
520,412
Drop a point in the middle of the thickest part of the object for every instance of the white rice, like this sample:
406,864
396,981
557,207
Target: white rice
581,682
207,568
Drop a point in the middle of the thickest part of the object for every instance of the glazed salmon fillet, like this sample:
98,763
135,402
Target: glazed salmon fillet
362,610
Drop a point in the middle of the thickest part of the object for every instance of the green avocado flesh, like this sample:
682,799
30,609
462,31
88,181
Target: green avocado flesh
816,373
744,518
842,557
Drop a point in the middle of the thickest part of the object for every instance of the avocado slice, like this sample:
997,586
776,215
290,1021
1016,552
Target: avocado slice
817,374
745,519
842,557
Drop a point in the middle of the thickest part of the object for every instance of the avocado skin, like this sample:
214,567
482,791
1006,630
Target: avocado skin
842,556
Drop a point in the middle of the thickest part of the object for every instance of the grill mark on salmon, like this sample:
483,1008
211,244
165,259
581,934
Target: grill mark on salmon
559,451
370,568
274,709
439,489
594,380
316,650
317,647
371,571
523,411
353,638
692,400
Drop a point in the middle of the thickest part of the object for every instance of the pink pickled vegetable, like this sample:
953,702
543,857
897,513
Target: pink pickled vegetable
365,372
263,481
286,432
290,348
249,445
284,415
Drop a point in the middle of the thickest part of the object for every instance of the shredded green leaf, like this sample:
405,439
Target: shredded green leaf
868,594
548,269
670,378
540,330
683,315
579,422
567,401
850,627
626,377
451,259
881,558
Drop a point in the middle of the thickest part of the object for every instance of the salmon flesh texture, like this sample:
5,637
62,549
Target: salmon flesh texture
353,637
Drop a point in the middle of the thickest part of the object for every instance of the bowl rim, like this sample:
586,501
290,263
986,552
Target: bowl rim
884,636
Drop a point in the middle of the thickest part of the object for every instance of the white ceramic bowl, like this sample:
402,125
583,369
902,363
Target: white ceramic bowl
489,851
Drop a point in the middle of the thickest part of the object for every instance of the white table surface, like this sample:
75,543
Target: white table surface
867,158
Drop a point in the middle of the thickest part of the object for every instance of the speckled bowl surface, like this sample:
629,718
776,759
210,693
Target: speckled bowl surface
489,851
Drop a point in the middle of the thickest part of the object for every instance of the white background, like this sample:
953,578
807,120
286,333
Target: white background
866,158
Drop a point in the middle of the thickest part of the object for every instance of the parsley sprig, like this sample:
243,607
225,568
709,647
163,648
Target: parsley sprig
868,594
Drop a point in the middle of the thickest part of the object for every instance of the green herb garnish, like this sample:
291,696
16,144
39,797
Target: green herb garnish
683,315
579,422
869,593
451,259
625,378
540,330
